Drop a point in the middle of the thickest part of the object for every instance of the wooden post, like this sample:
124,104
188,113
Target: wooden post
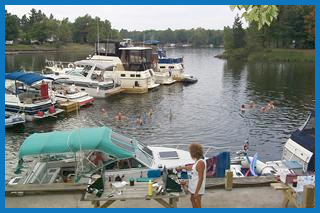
308,196
228,180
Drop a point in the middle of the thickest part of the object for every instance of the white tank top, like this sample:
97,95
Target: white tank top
194,178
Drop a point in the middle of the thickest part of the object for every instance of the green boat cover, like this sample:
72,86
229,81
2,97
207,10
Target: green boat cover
81,139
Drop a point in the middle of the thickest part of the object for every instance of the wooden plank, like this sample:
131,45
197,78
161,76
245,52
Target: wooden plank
163,202
308,196
279,186
54,187
213,183
114,91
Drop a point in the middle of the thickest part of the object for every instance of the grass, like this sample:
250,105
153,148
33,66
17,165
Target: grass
290,55
71,47
281,55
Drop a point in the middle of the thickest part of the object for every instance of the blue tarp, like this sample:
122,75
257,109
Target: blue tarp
26,77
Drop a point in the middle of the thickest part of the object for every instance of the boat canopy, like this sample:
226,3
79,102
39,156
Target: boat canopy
100,65
305,136
26,77
83,139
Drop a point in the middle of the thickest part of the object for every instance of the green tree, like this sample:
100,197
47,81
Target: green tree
12,25
238,33
228,38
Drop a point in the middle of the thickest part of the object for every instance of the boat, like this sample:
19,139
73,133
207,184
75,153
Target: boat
173,66
189,79
76,155
71,93
59,67
93,77
299,150
22,97
12,119
79,153
132,65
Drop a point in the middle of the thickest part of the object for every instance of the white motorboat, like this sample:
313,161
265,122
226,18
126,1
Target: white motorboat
71,93
12,119
20,97
132,65
93,77
58,67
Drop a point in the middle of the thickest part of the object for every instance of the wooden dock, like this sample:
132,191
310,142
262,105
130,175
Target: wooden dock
115,91
215,183
45,188
211,183
69,106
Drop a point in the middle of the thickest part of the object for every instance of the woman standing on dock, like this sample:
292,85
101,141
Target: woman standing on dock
197,181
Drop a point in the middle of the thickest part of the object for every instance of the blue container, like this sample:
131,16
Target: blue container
223,163
154,173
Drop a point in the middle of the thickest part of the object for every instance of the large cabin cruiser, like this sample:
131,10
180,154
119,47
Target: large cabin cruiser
131,64
167,69
92,77
22,97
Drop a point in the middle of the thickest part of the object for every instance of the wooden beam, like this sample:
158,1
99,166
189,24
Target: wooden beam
308,196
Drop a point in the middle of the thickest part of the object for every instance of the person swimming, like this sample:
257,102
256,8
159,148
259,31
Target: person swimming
104,112
263,109
139,120
150,113
252,105
243,108
270,105
120,117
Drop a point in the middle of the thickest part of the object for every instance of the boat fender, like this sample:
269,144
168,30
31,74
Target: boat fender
71,66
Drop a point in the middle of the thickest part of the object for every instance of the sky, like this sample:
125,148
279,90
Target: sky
141,17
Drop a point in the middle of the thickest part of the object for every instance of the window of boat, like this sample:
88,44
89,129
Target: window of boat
132,75
123,75
86,70
162,67
171,67
122,142
138,75
125,164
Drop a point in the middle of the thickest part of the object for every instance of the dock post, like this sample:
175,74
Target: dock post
308,196
228,180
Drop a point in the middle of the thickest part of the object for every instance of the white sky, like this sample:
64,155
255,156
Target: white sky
141,17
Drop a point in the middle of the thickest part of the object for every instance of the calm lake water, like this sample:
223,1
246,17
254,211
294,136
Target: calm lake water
207,112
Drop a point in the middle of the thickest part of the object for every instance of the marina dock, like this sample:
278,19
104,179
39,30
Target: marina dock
252,197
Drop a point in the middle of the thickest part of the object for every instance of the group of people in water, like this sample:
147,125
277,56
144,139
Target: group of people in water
252,105
122,117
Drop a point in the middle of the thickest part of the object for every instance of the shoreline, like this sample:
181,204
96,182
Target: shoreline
27,49
270,55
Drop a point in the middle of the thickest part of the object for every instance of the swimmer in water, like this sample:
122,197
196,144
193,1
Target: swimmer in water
150,113
104,112
252,105
243,108
120,117
263,109
139,120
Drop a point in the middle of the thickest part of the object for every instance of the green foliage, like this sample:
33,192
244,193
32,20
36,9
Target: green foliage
11,26
261,14
238,34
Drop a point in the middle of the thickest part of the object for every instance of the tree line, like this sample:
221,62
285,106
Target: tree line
294,27
37,26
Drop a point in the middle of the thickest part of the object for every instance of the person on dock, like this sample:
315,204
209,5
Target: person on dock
197,182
